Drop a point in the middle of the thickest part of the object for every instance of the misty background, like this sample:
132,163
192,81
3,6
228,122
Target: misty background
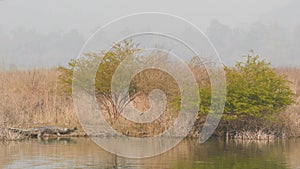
49,33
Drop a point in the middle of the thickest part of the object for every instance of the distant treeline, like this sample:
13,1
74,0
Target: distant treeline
26,47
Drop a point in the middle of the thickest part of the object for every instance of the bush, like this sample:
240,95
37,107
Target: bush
255,94
106,63
140,87
255,90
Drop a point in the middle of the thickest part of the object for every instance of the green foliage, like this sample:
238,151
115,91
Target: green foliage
110,62
205,99
253,90
95,71
105,62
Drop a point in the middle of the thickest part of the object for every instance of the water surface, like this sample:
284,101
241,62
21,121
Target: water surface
83,153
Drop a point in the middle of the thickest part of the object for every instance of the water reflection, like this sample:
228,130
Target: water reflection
83,153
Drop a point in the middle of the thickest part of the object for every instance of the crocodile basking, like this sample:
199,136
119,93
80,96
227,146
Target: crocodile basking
40,131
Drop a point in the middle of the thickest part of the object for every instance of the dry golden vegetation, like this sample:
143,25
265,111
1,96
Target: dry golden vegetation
147,81
290,117
32,98
144,83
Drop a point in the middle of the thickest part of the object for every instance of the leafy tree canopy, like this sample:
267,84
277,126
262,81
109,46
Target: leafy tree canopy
254,89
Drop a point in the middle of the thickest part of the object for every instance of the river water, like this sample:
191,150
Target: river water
84,153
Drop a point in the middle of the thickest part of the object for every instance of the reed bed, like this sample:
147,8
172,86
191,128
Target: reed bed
30,98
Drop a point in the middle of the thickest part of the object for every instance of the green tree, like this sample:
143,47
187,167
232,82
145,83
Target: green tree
255,94
106,63
254,89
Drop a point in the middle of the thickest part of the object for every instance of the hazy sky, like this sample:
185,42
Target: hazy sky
85,16
51,32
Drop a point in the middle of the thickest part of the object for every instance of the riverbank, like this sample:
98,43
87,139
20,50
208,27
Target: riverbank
31,98
8,135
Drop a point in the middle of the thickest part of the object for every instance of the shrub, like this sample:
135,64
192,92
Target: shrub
255,90
106,63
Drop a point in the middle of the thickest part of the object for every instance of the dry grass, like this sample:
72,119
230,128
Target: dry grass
293,76
290,118
31,98
146,82
150,79
8,135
